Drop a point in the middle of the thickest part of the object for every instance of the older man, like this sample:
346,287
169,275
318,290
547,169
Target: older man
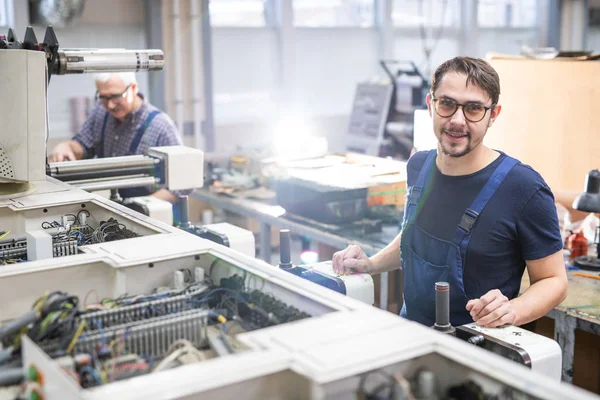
122,123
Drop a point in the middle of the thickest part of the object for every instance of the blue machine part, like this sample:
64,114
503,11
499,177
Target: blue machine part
330,282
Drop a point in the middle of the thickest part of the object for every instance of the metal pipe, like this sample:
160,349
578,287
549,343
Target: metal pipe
196,22
177,65
116,184
56,169
184,218
108,60
107,173
106,179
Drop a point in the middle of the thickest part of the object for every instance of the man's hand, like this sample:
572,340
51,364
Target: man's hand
63,152
492,310
351,260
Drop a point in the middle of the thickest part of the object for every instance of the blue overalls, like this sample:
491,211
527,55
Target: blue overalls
427,259
133,148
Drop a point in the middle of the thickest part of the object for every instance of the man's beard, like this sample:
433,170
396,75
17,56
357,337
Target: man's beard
454,150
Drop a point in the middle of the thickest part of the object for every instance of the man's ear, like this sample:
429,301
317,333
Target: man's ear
428,100
494,114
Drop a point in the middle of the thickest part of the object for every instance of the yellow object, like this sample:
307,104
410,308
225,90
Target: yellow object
586,275
76,336
221,319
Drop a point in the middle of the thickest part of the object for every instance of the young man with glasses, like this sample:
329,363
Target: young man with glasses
474,217
122,123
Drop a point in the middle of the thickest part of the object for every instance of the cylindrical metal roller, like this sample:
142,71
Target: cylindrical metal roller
57,169
117,60
115,184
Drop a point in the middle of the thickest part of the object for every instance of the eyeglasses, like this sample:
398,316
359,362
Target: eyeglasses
114,97
473,112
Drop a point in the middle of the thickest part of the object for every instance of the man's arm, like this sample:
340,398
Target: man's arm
541,248
566,199
165,195
388,258
548,289
67,151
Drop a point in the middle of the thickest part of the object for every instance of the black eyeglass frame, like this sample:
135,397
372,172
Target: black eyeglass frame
462,106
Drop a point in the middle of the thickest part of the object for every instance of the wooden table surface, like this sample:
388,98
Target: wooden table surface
583,297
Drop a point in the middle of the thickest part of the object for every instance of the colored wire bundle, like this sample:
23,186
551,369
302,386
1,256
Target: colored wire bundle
75,227
58,312
111,230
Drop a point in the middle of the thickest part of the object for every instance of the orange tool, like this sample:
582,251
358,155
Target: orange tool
586,275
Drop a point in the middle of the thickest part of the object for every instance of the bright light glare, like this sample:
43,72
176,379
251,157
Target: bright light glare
293,139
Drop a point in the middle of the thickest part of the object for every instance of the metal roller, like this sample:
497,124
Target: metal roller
115,183
117,60
57,169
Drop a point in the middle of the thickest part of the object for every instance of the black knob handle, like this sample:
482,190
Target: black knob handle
285,255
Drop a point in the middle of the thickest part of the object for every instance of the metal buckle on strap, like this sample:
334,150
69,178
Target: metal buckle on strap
468,220
414,194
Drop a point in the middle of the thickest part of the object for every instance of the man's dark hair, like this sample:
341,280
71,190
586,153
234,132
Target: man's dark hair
478,71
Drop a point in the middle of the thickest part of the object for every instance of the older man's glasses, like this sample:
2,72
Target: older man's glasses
104,99
473,112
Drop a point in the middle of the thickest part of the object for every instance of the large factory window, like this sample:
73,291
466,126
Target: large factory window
3,13
429,13
334,13
507,13
237,13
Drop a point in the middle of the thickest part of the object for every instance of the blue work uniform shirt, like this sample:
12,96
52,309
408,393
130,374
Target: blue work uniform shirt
519,223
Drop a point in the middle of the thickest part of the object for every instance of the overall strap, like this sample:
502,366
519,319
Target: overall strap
414,192
101,146
462,235
140,132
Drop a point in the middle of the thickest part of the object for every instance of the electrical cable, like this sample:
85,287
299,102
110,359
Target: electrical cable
428,51
11,376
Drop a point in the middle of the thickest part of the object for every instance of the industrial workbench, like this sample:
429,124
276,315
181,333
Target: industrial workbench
580,310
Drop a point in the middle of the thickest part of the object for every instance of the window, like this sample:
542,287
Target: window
507,13
237,13
3,13
430,13
334,13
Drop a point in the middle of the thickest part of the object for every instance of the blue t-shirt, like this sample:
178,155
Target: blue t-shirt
519,223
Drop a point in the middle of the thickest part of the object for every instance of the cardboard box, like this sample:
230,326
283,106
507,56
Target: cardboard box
388,194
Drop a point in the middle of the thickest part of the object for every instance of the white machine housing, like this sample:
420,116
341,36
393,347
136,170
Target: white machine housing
358,286
155,208
23,116
183,166
543,354
308,359
238,239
